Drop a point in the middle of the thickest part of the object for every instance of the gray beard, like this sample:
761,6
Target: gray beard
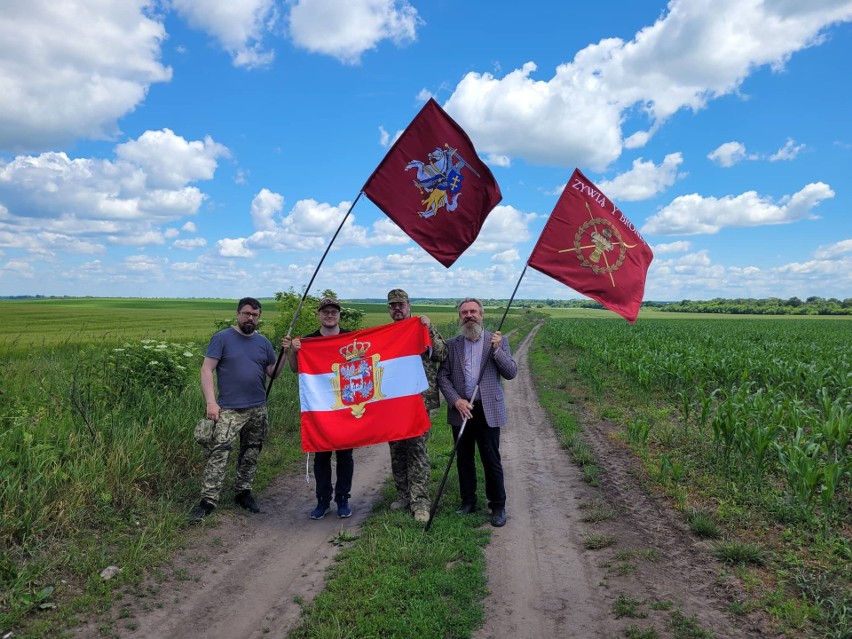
471,331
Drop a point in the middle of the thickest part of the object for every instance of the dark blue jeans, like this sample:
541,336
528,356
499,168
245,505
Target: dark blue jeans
477,433
322,474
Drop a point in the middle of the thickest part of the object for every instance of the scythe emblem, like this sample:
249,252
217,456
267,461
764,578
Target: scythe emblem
599,246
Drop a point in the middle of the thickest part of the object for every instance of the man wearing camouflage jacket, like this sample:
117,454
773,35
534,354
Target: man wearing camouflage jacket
409,457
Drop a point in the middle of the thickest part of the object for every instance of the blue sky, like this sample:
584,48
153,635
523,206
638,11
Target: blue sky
208,148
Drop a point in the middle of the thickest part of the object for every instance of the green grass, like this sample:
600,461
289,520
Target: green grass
42,323
396,580
626,606
751,416
98,467
739,552
703,524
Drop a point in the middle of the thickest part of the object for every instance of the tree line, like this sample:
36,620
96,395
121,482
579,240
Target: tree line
738,306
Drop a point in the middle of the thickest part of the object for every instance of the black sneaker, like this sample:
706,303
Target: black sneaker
198,513
244,499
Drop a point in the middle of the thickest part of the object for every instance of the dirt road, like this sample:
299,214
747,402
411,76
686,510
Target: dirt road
244,576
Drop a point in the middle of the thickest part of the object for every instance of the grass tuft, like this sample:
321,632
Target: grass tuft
703,524
626,606
738,552
596,541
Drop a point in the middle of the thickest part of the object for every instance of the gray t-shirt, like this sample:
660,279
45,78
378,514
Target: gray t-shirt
241,371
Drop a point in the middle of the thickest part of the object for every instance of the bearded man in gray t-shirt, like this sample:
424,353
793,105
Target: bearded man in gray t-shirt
241,359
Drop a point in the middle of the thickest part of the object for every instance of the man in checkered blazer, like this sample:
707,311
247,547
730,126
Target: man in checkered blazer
477,356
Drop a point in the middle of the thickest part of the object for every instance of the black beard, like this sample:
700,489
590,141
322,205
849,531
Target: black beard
247,328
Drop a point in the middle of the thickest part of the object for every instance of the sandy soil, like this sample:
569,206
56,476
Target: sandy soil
243,576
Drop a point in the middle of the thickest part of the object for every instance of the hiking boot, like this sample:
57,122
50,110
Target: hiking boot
498,517
320,511
343,509
399,504
198,513
466,509
244,499
421,515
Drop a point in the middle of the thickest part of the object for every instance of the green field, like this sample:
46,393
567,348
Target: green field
743,420
45,322
35,323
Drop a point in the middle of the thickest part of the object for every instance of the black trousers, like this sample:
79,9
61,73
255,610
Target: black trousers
322,474
477,433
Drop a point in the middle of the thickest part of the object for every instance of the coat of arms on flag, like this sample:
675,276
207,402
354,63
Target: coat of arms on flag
440,179
362,388
358,380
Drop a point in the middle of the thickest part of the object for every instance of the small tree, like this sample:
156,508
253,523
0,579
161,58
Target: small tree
286,304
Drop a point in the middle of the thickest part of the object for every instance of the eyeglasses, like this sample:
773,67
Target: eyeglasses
249,315
330,311
396,304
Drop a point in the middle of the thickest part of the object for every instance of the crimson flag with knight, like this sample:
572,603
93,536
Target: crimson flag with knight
433,185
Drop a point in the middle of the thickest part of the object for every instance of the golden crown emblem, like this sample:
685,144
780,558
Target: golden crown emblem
355,350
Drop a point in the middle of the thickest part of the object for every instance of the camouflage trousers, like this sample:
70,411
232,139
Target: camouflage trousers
410,467
250,425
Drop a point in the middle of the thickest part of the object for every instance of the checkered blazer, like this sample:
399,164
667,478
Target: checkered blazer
494,366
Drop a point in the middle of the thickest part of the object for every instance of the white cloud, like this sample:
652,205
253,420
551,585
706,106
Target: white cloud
125,201
19,268
694,214
504,226
614,89
265,206
833,250
671,247
498,160
227,247
695,276
238,26
189,227
309,226
71,69
506,257
788,152
385,231
644,180
190,244
384,137
169,161
345,29
729,154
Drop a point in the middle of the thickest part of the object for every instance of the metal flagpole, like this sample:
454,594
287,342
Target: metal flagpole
440,491
305,294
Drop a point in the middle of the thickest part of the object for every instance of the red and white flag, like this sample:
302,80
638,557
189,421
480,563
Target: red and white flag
589,245
362,388
434,186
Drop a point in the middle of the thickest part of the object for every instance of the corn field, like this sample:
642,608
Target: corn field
774,397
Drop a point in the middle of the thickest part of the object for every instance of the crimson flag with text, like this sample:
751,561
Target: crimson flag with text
589,245
434,186
363,387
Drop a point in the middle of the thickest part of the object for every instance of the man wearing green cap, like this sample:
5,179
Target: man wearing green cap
409,457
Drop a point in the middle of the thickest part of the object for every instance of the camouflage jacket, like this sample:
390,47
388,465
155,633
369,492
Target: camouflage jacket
431,396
